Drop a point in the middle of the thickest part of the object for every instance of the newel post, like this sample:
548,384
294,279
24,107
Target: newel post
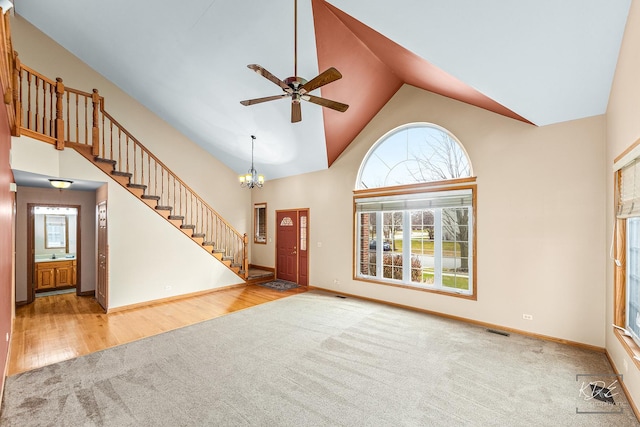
245,256
59,119
16,93
95,132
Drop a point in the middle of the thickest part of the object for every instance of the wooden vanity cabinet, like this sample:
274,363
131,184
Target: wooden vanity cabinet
55,274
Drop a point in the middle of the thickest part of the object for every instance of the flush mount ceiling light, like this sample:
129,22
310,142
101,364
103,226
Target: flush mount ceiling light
60,183
251,178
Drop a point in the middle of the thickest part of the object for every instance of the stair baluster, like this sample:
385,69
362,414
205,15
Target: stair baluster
118,153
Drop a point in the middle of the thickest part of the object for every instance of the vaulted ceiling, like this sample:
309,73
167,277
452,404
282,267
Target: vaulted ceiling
537,61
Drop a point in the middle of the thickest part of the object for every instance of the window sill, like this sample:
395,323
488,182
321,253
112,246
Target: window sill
472,297
630,346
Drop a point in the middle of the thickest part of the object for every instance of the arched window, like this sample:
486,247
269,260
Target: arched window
415,211
414,153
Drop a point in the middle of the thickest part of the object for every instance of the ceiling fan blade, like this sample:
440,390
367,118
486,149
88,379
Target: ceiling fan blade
296,112
267,75
320,80
334,105
265,99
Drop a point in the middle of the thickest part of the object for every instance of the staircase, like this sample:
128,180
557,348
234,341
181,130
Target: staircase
68,118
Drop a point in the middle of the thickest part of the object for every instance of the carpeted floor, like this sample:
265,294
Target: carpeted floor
316,360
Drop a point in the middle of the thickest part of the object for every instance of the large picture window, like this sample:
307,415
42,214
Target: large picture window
633,278
415,212
627,253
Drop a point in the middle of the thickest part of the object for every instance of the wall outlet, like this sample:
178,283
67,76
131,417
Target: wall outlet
527,317
167,287
7,339
336,281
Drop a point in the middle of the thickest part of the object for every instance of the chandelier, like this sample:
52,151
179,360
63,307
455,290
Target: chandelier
251,178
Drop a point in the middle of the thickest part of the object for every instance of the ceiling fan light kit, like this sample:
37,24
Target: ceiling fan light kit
296,87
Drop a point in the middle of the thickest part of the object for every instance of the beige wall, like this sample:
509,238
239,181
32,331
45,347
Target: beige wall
144,263
540,218
623,129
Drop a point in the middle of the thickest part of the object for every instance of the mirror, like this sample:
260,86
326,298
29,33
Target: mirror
260,223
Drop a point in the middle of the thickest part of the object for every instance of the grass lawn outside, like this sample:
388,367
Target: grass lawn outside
425,247
448,280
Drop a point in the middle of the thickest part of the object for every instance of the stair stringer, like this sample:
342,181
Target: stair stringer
164,212
142,261
107,168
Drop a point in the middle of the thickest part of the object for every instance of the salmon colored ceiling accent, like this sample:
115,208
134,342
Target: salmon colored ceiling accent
373,69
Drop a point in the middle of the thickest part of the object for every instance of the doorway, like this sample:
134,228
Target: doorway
102,288
53,249
292,249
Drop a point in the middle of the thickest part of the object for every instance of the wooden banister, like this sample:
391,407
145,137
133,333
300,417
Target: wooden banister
81,121
7,69
59,119
95,129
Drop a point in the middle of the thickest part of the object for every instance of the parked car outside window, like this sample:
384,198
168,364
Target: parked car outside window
386,246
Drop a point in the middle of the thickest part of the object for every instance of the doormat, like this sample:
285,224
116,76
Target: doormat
279,285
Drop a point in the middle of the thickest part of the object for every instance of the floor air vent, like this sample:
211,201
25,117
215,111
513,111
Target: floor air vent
601,393
341,296
494,331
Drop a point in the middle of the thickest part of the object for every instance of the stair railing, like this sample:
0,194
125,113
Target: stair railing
53,113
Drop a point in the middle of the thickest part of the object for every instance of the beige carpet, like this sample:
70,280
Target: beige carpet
316,360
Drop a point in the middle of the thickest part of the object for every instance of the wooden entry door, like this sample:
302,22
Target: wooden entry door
292,260
102,285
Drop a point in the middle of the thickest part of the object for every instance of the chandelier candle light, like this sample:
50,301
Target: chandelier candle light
251,178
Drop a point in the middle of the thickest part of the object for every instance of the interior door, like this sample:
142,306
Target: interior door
101,288
286,244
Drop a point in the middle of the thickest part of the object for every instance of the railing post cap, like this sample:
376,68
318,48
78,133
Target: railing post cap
59,79
95,90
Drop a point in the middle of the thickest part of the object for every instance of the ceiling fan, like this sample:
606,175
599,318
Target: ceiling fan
296,87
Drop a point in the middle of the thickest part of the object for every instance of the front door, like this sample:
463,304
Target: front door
287,248
101,288
292,233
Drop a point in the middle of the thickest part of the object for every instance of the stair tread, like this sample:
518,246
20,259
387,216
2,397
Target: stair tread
102,160
219,253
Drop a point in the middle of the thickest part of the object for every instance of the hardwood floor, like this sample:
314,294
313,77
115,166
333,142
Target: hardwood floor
61,327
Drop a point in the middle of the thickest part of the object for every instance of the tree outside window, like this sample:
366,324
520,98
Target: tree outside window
426,236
